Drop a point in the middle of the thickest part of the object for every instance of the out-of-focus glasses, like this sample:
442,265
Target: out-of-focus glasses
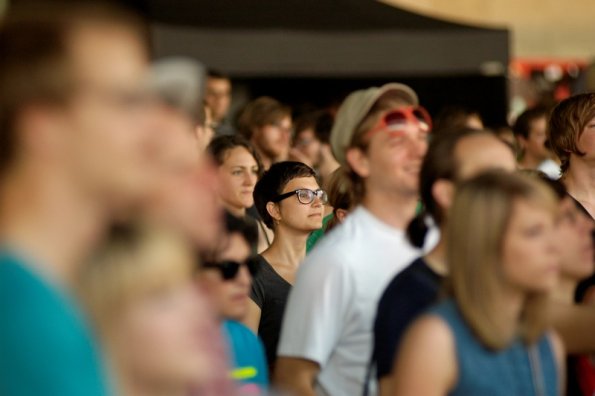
398,118
305,196
229,269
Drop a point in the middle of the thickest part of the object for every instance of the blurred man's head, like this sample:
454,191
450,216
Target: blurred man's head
530,131
218,95
380,137
73,99
267,124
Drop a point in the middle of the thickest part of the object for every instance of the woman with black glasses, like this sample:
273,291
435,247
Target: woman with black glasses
291,203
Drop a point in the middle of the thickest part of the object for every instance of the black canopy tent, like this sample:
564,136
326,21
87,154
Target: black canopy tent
295,48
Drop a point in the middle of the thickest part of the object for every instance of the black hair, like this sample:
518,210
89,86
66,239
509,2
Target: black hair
439,163
274,181
454,116
219,147
247,228
522,126
323,127
212,73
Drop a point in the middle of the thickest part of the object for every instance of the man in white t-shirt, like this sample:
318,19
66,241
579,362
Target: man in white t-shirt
380,138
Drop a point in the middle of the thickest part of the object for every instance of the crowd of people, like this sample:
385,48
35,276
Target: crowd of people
154,245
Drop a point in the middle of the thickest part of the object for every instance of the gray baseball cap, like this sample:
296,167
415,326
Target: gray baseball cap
355,107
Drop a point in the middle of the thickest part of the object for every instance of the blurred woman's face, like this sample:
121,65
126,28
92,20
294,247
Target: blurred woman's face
530,258
298,216
237,177
574,230
157,339
230,297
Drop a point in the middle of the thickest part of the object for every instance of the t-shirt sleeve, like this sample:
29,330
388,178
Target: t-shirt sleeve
257,291
402,302
317,309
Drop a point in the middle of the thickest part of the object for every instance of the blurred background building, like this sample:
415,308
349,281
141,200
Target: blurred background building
496,56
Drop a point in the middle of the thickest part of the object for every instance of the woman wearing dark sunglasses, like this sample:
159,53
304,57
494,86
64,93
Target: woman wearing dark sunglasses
226,275
291,203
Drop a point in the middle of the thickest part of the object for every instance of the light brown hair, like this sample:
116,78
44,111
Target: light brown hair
478,222
261,112
566,125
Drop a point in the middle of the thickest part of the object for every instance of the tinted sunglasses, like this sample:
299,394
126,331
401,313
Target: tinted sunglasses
305,196
229,269
398,118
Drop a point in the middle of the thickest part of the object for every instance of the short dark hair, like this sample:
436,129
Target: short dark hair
274,181
35,57
213,73
320,122
566,125
522,126
439,163
221,145
247,228
454,116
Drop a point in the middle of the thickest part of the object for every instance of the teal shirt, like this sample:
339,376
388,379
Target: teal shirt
45,346
315,236
505,372
248,358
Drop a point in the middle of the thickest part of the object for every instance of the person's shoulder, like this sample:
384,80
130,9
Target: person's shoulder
235,327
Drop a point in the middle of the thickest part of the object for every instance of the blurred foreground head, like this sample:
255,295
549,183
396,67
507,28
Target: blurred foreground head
153,323
184,192
73,99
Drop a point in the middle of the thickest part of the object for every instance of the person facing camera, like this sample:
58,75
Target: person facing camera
290,202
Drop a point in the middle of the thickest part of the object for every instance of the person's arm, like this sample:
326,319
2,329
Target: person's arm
426,362
296,375
575,324
252,318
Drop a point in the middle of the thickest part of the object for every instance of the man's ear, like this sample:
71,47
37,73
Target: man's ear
42,131
443,192
358,161
273,211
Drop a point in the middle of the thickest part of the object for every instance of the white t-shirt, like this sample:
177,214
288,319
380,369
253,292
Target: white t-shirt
330,313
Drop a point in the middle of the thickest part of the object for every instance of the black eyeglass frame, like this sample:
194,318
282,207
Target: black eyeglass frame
320,193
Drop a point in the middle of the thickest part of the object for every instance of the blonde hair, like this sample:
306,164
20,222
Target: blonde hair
478,222
132,262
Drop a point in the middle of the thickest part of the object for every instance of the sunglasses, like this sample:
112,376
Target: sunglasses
229,269
305,196
398,118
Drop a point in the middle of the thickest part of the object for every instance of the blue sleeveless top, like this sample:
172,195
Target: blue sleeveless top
505,372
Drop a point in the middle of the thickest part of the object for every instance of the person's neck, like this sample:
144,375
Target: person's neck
394,209
580,180
236,211
288,247
436,258
49,220
564,292
129,387
530,162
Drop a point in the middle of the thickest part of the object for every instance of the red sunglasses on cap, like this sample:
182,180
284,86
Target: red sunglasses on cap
398,118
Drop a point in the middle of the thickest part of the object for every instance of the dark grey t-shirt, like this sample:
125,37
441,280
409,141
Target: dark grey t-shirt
269,292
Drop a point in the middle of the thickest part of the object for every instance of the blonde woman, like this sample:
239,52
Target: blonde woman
490,337
156,332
